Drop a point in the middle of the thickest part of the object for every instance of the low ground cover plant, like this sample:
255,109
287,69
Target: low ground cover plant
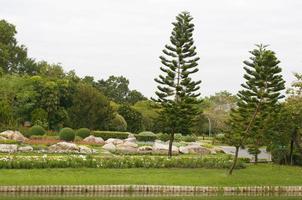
79,161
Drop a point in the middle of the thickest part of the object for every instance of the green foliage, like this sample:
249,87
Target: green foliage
118,123
67,134
26,162
39,117
178,137
133,118
163,136
9,142
90,108
189,138
82,132
146,136
36,130
110,134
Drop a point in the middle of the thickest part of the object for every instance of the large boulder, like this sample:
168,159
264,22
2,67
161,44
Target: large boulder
8,148
2,138
109,147
160,148
95,140
13,135
64,147
85,150
145,149
194,148
127,147
133,140
114,141
25,149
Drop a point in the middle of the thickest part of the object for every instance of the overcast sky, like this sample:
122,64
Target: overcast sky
125,37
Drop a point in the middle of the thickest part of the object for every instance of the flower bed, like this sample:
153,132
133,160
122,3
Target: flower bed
79,161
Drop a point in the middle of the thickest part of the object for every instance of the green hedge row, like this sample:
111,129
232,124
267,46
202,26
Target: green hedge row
110,134
28,162
146,136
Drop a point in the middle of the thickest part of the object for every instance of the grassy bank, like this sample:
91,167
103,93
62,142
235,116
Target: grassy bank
262,174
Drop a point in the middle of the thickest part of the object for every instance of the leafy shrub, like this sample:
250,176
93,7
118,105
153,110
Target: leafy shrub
118,123
146,136
36,130
67,134
163,136
177,137
189,138
110,134
83,132
220,137
80,161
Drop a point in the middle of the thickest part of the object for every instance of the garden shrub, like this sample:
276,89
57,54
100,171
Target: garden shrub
163,136
80,161
146,136
189,138
36,130
83,132
118,123
111,134
178,137
67,134
220,137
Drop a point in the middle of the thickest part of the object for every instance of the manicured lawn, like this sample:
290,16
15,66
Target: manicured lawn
262,174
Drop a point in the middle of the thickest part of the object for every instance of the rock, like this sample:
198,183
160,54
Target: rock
109,147
25,149
163,148
64,147
8,148
194,148
145,149
216,150
133,140
131,135
93,139
126,149
85,150
13,135
114,141
2,138
183,150
130,144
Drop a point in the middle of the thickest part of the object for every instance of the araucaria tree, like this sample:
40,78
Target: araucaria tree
177,92
258,99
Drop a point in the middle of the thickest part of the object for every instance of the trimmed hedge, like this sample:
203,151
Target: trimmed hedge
111,134
67,134
83,132
146,136
36,130
163,136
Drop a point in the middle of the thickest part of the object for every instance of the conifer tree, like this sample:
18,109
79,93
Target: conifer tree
258,98
177,91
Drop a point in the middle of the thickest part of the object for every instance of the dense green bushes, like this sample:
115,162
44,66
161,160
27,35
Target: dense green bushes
67,134
146,136
83,132
79,161
36,130
110,134
177,137
163,136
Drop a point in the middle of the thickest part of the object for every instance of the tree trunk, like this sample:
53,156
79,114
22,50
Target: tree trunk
170,144
234,162
291,151
256,159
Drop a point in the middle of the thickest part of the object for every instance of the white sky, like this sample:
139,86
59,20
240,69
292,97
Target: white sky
125,37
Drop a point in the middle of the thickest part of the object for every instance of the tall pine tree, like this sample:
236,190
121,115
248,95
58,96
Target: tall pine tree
258,98
177,92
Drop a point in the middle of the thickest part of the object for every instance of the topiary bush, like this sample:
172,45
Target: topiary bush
36,130
67,134
118,123
83,132
111,134
146,136
163,136
178,137
189,138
